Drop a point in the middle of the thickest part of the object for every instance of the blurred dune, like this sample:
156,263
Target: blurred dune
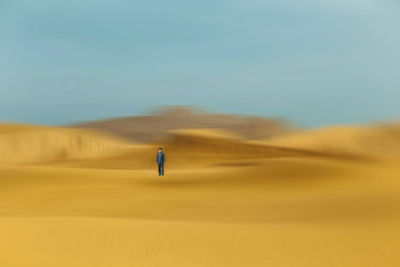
217,141
92,197
26,143
153,127
188,148
375,141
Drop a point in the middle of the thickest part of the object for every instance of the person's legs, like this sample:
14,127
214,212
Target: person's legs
159,169
162,169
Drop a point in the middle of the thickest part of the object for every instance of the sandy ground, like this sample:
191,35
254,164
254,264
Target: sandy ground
210,209
77,241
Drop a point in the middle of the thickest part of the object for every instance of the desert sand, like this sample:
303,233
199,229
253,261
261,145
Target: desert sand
75,197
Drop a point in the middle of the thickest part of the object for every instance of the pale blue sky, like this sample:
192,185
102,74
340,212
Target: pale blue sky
315,62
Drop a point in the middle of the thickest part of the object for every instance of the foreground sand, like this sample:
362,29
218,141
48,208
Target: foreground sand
74,241
259,212
221,203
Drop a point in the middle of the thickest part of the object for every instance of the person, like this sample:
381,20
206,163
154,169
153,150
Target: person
160,160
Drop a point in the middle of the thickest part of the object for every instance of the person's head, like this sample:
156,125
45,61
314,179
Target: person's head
159,149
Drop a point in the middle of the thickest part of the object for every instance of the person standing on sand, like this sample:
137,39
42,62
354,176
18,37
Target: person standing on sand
160,160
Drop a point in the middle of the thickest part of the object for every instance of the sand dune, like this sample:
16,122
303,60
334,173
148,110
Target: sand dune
375,141
155,127
217,141
189,148
83,198
25,143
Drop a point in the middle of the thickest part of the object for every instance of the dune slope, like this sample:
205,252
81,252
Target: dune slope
30,144
375,141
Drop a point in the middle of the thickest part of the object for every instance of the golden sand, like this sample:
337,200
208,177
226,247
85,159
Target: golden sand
244,205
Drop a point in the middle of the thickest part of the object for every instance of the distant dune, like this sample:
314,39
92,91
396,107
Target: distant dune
25,143
217,141
151,128
189,148
376,141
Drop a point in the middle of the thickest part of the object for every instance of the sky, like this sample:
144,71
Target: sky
314,62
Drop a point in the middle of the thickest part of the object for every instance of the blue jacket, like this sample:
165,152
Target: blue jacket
160,159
